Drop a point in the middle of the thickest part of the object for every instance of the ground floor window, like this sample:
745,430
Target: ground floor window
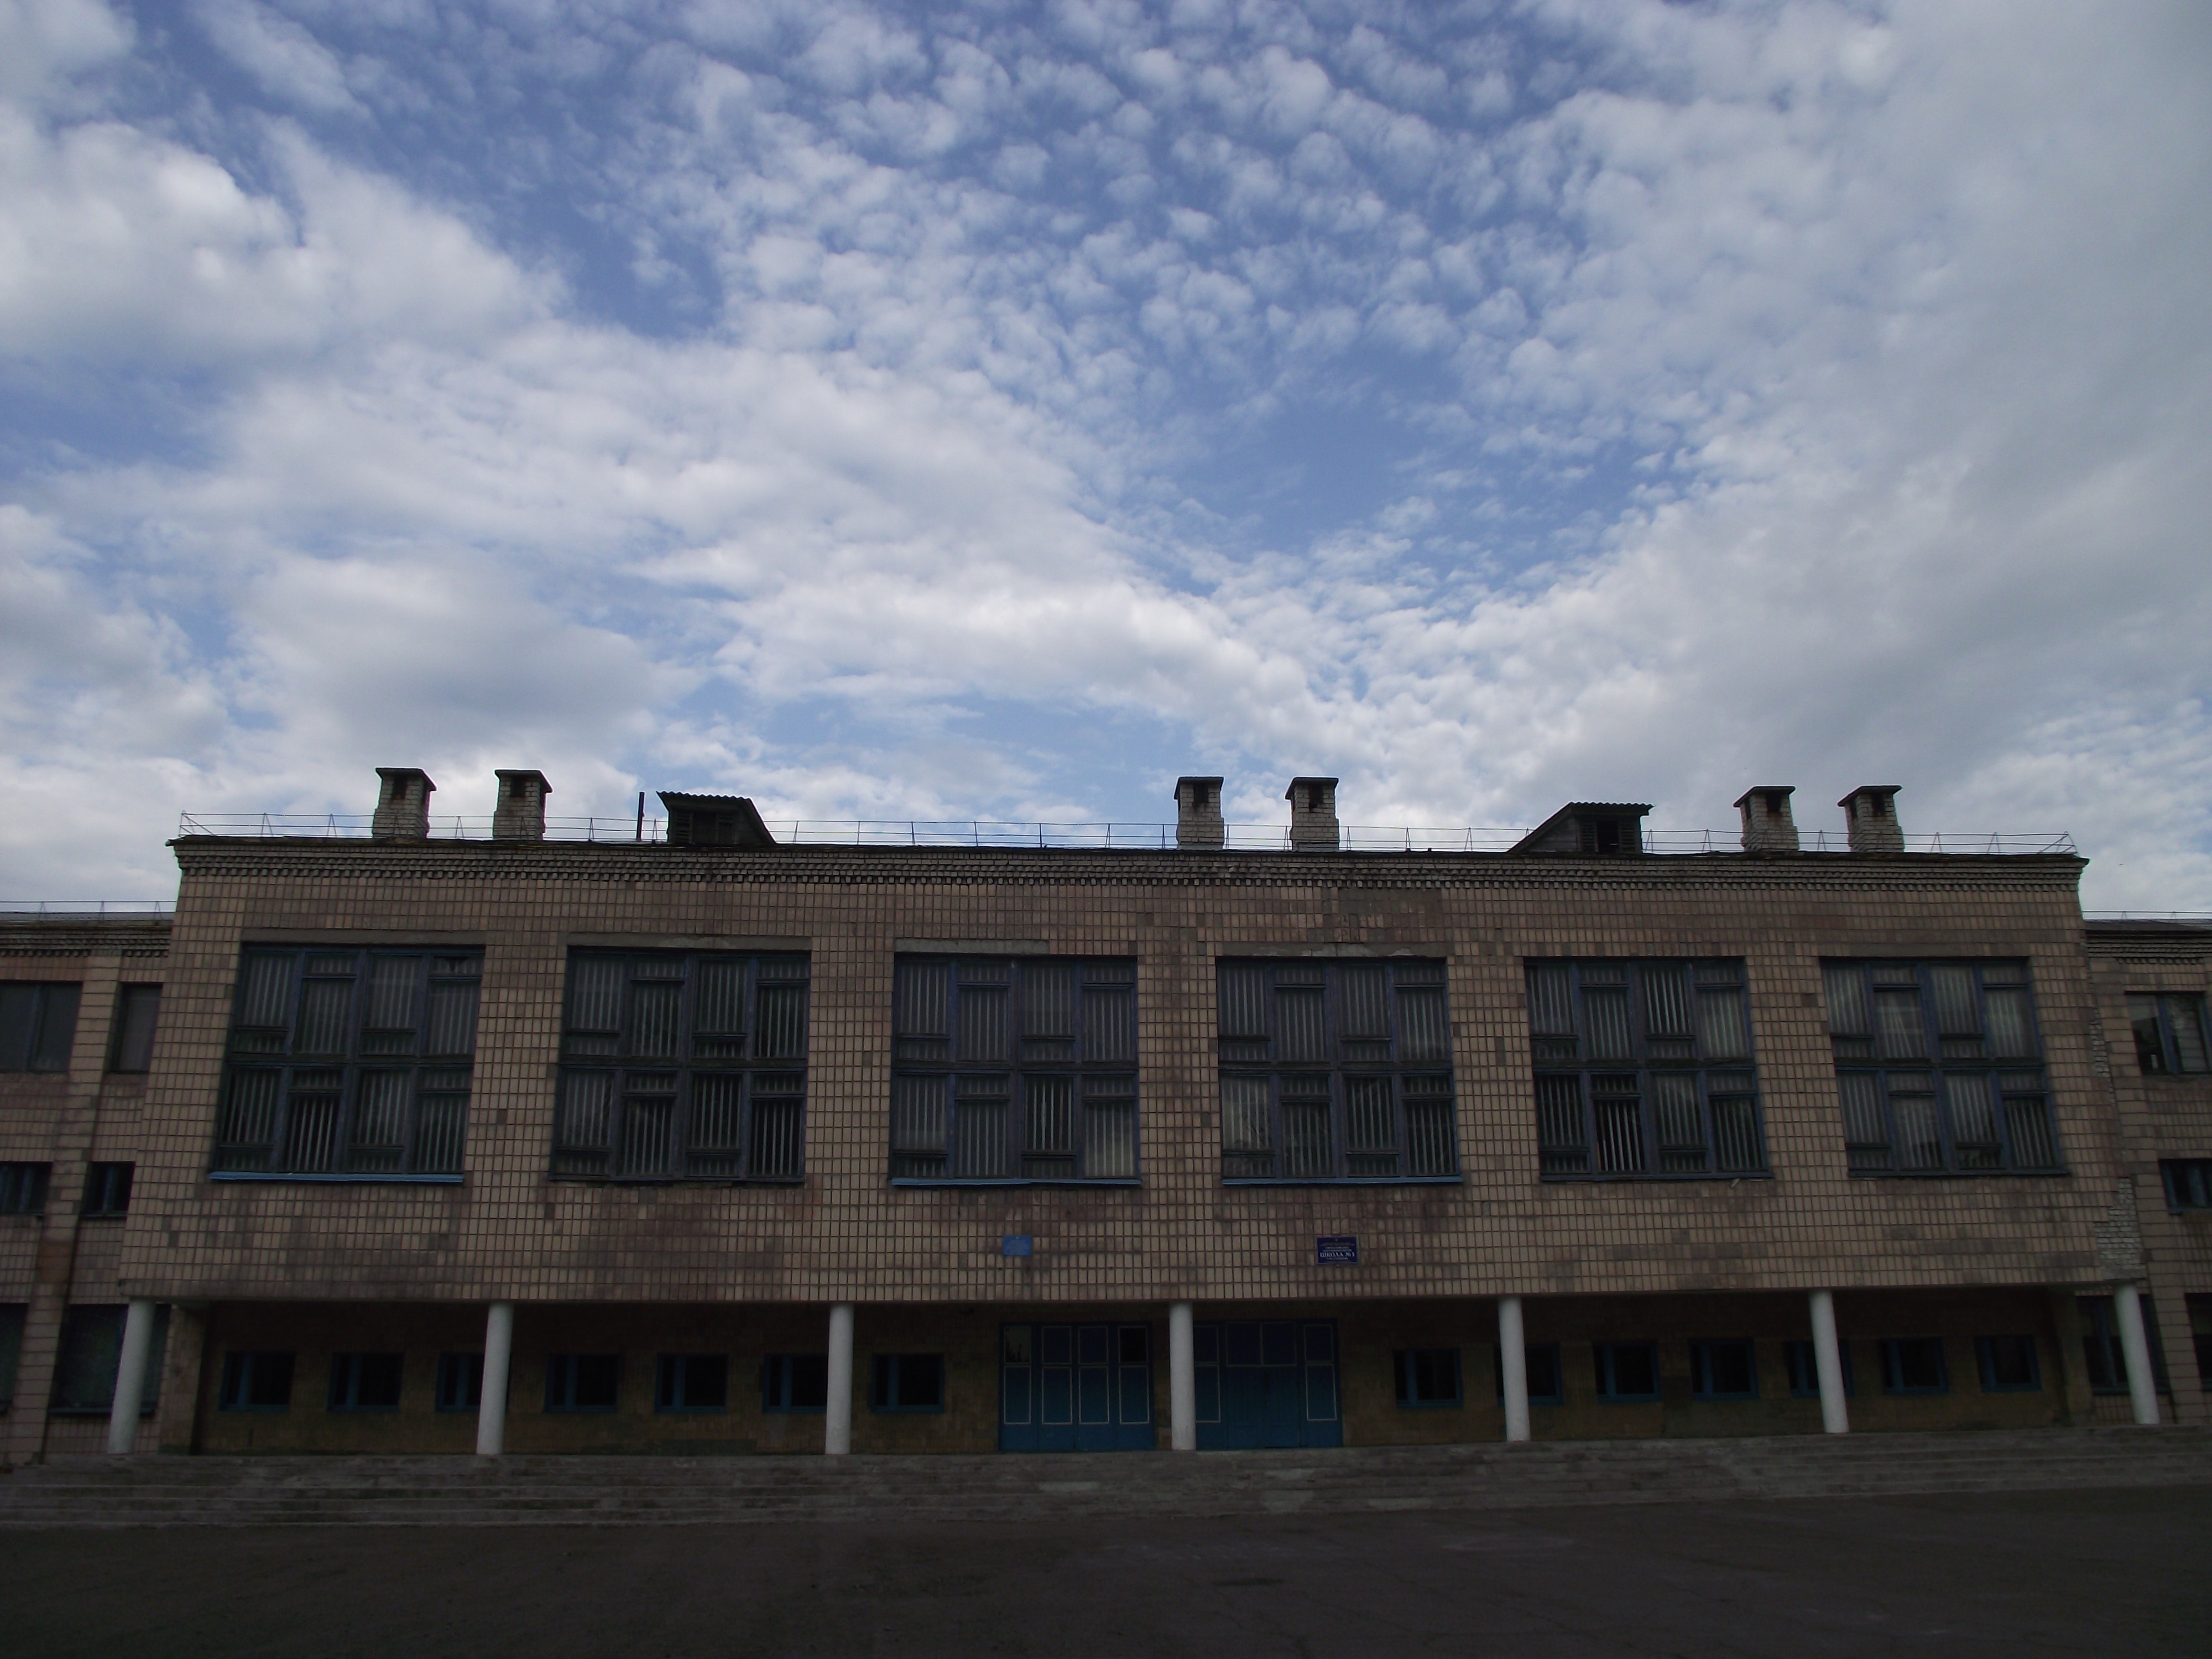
460,1381
582,1382
691,1383
1627,1371
1914,1365
256,1382
1076,1387
90,1354
2100,1345
1427,1376
11,1349
1723,1370
2008,1365
1805,1368
906,1382
1266,1383
1545,1383
365,1381
795,1383
2200,1330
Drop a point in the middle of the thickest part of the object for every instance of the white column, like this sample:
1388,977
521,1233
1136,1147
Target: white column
1513,1360
1182,1380
2135,1348
131,1377
838,1416
1828,1365
499,1354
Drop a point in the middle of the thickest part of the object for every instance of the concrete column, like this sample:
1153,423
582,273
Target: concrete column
837,1416
131,1378
1513,1361
2134,1349
1182,1379
1828,1365
499,1355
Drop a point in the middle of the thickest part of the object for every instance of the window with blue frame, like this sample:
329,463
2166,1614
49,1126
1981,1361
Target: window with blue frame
2188,1182
460,1381
1627,1372
1643,1070
906,1382
691,1383
1939,1068
795,1383
582,1382
91,1355
38,1026
1547,1382
2169,1034
348,1064
1336,1071
1914,1365
1268,1382
1011,1069
1065,1387
2101,1350
259,1381
2008,1365
365,1381
1726,1369
12,1314
1428,1377
1805,1368
683,1065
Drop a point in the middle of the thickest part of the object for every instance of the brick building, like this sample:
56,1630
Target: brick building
701,1138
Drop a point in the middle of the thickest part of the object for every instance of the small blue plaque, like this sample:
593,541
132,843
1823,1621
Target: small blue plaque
1017,1244
1336,1250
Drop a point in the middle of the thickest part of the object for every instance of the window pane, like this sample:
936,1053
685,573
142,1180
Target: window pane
1049,1000
1607,1014
311,1133
782,1029
1903,1035
1305,1139
2012,1035
653,1013
1973,1121
1366,1014
1666,1001
719,1006
1735,1135
1847,1001
1368,1118
983,1022
1244,1002
1551,1010
1304,1035
2186,1020
922,995
1244,1115
1619,1126
1428,1139
1050,1127
389,1004
325,1015
19,1026
778,1148
648,1125
980,1150
581,1123
452,1028
716,1130
264,990
1562,1141
2028,1120
1955,1013
1721,1033
137,1009
1680,1121
1424,1037
379,1120
1919,1143
1109,1025
248,1122
1110,1139
440,1113
918,1116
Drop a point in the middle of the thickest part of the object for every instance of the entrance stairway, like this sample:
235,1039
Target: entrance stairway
590,1491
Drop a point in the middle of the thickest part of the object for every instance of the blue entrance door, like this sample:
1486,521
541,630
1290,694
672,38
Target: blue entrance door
1075,1388
1266,1383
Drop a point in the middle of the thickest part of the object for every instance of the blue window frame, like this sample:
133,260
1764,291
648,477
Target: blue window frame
348,1065
682,1066
1014,1069
256,1382
1266,1383
460,1382
1939,1069
38,1027
1547,1381
2100,1345
1643,1070
1627,1371
90,1356
1914,1365
12,1316
906,1382
1335,1071
2009,1365
1726,1369
582,1382
2169,1034
691,1383
795,1383
1805,1368
365,1381
1428,1377
1075,1388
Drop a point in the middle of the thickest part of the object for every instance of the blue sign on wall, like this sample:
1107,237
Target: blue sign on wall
1017,1244
1336,1250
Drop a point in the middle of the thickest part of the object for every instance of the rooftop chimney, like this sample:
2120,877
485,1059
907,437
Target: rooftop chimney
1198,828
403,804
1870,815
519,814
1767,825
1313,814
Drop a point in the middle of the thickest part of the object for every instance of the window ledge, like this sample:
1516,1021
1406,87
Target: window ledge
1648,1179
1958,1175
1121,1181
268,1177
679,1181
1344,1181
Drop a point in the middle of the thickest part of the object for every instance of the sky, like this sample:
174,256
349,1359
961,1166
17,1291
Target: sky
999,410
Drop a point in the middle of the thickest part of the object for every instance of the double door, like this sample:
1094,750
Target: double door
1266,1383
1075,1388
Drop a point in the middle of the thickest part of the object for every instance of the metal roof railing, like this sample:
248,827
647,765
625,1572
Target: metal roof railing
82,908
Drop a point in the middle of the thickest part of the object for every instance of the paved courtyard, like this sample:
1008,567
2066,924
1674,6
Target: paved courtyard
2079,1572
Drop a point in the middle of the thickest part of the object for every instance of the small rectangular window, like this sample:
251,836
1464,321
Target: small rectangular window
691,1383
1723,1370
91,1353
2170,1033
365,1381
582,1382
1627,1371
1428,1377
1805,1370
2008,1365
2200,1331
107,1189
2188,1182
137,1008
1541,1367
460,1381
906,1382
38,1027
23,1188
11,1349
795,1383
1914,1365
256,1382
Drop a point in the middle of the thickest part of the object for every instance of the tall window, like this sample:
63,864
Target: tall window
2169,1034
38,1023
1939,1067
682,1066
1336,1071
131,1049
348,1064
1014,1069
1643,1070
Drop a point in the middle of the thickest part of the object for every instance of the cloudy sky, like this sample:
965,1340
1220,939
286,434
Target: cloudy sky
892,412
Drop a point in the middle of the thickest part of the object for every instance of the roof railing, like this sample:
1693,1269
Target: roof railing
79,907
